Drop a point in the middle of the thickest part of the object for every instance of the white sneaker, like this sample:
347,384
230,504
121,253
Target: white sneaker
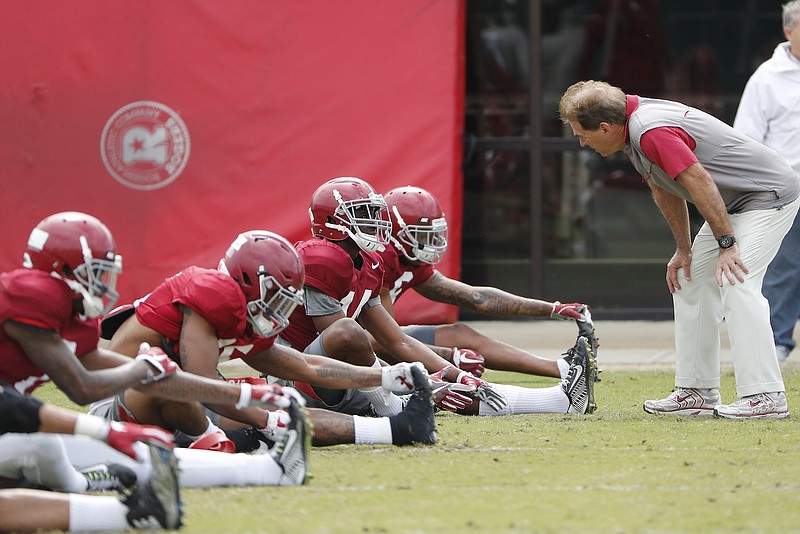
783,353
759,406
685,401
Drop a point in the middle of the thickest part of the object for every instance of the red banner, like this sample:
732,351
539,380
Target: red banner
180,124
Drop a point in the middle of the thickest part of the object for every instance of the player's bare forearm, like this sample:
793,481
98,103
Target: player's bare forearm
289,364
189,387
250,416
488,300
328,372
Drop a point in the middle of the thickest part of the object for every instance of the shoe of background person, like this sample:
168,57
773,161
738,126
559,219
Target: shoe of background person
415,424
758,406
685,401
111,477
291,452
156,503
579,383
783,353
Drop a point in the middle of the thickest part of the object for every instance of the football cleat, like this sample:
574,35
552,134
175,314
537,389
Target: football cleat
291,452
111,477
156,504
685,401
586,329
758,406
579,383
415,423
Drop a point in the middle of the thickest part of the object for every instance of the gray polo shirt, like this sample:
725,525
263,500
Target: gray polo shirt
749,175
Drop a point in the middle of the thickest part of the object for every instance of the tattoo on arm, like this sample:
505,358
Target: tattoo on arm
488,300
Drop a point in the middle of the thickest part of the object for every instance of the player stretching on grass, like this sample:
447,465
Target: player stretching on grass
33,456
344,275
49,331
202,317
419,239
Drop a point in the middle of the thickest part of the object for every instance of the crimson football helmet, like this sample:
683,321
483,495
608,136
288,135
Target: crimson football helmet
80,250
419,228
349,207
270,273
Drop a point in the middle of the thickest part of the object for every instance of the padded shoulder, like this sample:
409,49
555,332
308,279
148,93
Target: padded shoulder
328,267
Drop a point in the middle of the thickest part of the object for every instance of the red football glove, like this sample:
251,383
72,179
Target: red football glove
161,365
122,436
264,394
449,395
483,390
572,310
470,361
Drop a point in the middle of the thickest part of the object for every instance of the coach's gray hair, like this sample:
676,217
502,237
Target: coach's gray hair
591,102
791,14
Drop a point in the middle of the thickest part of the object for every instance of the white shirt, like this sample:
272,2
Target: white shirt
769,110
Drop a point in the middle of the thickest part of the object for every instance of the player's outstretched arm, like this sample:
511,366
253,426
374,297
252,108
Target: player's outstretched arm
488,300
82,385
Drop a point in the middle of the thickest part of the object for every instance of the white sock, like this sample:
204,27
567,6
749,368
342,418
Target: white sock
199,468
84,452
529,400
372,430
382,405
42,459
96,513
210,429
563,367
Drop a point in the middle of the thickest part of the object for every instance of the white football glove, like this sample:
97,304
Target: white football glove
397,378
277,423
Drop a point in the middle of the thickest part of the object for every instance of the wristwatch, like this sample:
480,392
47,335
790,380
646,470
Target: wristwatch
726,241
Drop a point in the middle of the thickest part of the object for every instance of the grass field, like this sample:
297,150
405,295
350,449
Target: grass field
619,470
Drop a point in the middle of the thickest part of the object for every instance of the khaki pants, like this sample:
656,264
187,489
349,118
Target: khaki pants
701,306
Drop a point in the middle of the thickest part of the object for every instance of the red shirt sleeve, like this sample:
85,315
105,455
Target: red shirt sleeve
670,148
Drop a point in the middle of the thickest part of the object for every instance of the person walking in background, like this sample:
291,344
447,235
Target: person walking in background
769,112
748,197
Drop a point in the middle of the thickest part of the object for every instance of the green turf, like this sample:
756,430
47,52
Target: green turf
620,470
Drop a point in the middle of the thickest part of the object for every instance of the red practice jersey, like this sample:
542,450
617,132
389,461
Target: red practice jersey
213,295
331,270
399,277
38,299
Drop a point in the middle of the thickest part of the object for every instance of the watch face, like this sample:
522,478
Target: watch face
726,241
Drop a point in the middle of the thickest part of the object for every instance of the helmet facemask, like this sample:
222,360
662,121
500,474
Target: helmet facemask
96,281
270,314
421,242
365,220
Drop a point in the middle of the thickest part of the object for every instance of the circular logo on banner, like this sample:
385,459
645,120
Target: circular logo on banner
145,145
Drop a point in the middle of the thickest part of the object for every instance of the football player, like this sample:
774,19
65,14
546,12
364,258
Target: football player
49,315
202,317
32,454
344,276
419,239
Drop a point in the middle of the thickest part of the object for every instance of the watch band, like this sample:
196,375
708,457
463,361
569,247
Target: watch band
726,241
